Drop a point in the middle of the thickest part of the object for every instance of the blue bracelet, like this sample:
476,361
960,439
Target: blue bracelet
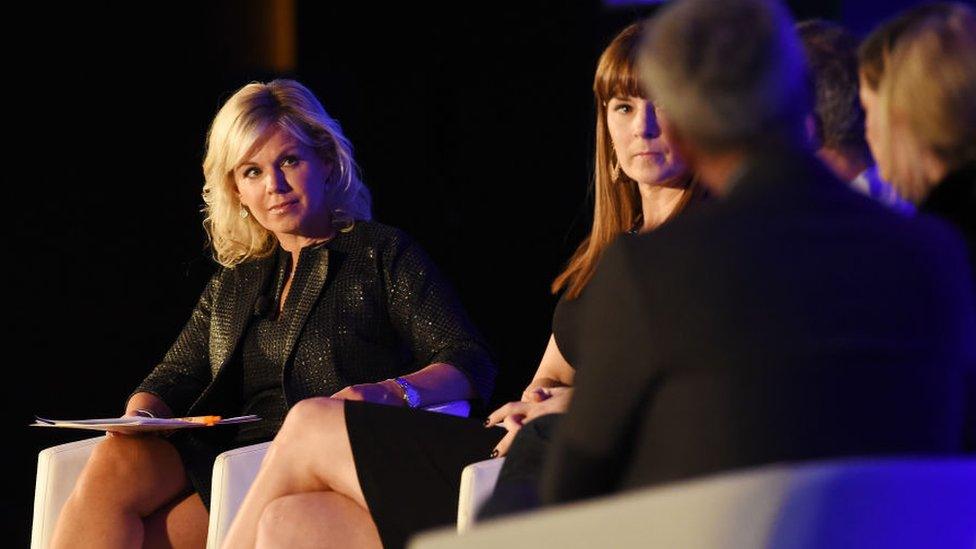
410,394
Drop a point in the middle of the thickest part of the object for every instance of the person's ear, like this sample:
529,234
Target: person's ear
812,129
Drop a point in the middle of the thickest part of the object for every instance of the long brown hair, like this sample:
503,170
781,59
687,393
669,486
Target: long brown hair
617,203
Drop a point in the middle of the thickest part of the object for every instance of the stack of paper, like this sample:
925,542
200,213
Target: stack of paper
135,424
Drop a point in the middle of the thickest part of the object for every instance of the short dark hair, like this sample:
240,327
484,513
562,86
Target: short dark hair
832,58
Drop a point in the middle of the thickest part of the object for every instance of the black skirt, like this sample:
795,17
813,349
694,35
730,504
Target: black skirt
199,448
409,465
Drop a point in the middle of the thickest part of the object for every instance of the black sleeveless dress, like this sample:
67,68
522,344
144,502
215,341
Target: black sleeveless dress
409,462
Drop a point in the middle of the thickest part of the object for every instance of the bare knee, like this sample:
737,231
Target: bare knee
314,428
276,515
281,524
312,411
116,460
315,519
126,468
311,421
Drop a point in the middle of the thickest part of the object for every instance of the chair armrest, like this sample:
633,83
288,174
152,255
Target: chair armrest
460,408
233,473
477,483
58,468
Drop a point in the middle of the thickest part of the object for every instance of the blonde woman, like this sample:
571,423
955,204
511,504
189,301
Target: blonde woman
922,125
874,54
312,299
351,475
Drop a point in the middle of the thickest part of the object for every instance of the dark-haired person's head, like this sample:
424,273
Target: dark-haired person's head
836,125
837,122
731,78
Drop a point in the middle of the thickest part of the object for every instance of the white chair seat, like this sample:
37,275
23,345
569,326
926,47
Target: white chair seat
889,503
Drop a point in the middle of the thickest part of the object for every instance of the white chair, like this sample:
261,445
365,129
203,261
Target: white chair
58,469
477,482
891,503
233,474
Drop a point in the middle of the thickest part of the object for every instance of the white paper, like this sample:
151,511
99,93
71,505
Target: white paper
136,424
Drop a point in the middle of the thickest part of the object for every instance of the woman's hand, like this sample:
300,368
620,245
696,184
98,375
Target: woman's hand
536,402
385,392
144,405
539,389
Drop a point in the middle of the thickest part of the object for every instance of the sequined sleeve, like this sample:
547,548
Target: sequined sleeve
427,314
185,371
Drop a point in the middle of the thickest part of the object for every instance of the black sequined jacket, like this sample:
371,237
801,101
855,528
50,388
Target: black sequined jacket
370,306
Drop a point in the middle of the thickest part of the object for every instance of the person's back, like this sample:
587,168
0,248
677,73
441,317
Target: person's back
794,320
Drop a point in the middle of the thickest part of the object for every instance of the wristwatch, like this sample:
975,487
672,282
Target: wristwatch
410,394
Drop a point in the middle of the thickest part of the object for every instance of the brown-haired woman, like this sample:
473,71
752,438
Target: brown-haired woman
392,472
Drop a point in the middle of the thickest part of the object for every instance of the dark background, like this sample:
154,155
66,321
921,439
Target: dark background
473,124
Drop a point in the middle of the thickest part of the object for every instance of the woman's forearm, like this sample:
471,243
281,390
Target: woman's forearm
545,382
554,370
438,383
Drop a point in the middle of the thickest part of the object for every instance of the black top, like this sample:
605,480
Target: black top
954,199
263,362
366,306
566,321
791,319
565,328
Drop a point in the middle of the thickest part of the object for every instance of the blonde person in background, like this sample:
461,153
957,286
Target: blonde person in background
922,125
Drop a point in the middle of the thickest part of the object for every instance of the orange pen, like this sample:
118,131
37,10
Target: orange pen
206,420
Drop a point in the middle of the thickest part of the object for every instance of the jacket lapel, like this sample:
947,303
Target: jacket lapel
232,314
310,290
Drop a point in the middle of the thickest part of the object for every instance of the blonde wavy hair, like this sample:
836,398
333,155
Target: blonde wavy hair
927,99
239,124
617,203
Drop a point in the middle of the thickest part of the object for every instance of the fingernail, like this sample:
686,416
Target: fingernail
487,423
494,453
